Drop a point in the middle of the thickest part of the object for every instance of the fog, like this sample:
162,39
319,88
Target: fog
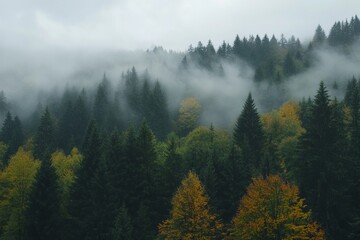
29,77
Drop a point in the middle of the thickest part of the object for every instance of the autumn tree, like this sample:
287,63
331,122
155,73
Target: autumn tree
189,114
65,168
282,131
190,216
272,209
15,184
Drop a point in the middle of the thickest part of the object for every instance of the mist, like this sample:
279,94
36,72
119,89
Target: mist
32,77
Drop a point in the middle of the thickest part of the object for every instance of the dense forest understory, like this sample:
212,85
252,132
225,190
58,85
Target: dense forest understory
116,161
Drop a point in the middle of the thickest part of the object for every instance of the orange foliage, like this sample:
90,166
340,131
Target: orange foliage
272,209
190,215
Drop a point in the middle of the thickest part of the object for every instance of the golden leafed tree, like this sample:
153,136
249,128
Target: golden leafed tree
189,114
272,209
190,216
15,185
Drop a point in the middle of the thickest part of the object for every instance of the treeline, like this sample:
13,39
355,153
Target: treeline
125,184
273,59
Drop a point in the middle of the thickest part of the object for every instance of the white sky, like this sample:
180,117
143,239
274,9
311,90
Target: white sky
173,24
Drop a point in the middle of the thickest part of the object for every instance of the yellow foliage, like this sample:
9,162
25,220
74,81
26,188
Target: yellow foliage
272,209
15,184
283,129
189,114
65,167
190,215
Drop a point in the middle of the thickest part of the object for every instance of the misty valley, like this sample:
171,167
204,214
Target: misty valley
255,139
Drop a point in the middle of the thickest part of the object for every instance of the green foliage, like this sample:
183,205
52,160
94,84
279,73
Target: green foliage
44,138
248,135
122,229
43,215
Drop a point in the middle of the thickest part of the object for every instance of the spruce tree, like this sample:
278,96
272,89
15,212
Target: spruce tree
82,195
248,135
44,138
323,156
6,130
122,229
160,118
43,216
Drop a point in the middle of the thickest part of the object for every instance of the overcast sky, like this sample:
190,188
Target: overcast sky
173,24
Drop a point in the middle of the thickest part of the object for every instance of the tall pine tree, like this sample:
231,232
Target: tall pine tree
43,217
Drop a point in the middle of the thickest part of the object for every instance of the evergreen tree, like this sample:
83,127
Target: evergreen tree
319,37
83,194
323,157
3,104
17,138
289,65
6,130
160,117
237,47
43,217
80,119
44,138
101,104
123,229
248,135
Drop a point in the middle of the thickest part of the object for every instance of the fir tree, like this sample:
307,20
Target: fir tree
44,138
83,193
123,229
43,217
248,135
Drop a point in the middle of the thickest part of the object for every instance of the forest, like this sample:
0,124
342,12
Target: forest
135,158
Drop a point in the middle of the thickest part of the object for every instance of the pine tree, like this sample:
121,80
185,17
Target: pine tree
44,138
6,130
123,229
3,104
323,156
237,47
319,37
43,216
289,65
248,135
160,117
82,194
101,104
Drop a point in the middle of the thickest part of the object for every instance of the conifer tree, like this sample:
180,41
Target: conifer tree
101,104
43,216
323,156
6,129
44,138
160,119
82,194
3,104
248,135
123,229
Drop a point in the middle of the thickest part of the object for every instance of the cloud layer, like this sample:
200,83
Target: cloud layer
141,24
